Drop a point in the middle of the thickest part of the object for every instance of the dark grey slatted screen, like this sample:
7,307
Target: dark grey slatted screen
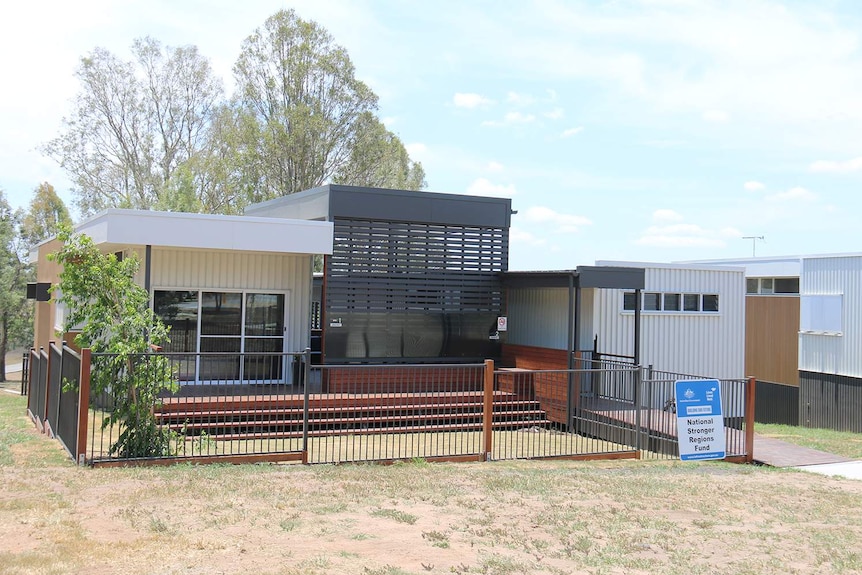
415,267
381,272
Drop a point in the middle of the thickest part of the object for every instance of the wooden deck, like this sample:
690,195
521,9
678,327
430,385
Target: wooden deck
231,417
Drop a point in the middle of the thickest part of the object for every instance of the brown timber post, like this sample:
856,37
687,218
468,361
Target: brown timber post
488,409
83,406
749,419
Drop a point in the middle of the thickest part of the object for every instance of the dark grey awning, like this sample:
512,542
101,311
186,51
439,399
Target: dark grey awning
610,277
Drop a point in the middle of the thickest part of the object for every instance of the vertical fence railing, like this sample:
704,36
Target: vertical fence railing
394,412
212,406
55,383
68,400
335,414
25,373
557,414
37,399
660,437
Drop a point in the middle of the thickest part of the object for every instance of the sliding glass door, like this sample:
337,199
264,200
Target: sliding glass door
241,334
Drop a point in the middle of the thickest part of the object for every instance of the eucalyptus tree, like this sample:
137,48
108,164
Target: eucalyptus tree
16,325
303,117
136,124
44,217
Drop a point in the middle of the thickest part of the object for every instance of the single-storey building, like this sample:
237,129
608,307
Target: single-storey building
232,284
413,277
679,318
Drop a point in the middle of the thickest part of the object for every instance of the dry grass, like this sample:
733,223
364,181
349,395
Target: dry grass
527,517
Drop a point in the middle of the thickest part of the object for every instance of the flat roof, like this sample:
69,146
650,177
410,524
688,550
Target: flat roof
208,231
384,204
612,277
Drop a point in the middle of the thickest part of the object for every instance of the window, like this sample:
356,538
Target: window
224,325
652,301
672,302
770,286
787,285
691,302
710,302
821,314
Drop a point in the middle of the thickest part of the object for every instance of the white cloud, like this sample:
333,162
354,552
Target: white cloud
571,132
730,233
678,236
564,223
753,186
666,215
555,114
484,187
510,119
792,195
389,121
494,166
552,95
417,151
470,100
669,231
520,99
716,116
519,236
827,166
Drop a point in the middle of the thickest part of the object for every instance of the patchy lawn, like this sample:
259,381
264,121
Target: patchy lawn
531,517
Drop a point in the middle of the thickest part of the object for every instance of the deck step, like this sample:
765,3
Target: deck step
439,409
376,431
232,418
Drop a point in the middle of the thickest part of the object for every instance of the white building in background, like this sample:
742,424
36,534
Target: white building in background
692,318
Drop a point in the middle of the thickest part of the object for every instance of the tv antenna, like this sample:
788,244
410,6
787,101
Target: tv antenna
754,243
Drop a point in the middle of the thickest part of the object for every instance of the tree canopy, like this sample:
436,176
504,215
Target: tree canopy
156,132
134,124
46,214
16,317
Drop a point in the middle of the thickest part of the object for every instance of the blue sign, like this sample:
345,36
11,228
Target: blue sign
700,420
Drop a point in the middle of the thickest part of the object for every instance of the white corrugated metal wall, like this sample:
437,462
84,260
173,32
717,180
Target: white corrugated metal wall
834,354
201,269
704,343
538,317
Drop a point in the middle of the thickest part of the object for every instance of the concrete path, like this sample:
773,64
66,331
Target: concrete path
848,469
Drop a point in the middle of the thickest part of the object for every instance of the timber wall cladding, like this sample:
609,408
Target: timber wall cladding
772,338
389,380
549,389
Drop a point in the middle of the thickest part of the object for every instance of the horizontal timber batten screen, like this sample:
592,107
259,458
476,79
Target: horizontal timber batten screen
407,290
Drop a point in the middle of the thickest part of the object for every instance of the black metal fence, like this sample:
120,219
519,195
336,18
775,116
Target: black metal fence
356,413
777,403
37,398
396,412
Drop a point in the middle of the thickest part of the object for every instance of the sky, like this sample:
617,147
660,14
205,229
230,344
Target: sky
642,130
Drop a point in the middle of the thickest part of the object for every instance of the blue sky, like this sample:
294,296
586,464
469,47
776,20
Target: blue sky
654,130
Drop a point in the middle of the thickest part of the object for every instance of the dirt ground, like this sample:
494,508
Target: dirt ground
493,518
